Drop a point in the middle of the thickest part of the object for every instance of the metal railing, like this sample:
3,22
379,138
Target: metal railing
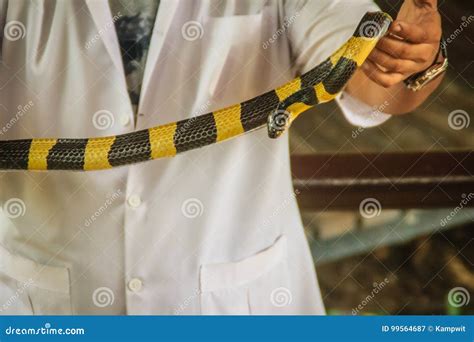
397,180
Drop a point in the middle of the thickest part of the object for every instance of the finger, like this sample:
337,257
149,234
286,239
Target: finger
421,53
411,32
428,3
380,77
391,64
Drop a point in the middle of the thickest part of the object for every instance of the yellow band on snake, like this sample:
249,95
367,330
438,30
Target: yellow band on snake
275,110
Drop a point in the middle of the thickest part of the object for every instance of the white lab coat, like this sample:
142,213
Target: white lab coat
211,231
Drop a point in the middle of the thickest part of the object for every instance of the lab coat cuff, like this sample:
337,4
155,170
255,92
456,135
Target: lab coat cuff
361,114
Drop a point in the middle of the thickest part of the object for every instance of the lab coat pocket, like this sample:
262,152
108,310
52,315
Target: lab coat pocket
27,287
247,286
230,45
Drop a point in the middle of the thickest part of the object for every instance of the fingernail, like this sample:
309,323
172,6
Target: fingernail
397,28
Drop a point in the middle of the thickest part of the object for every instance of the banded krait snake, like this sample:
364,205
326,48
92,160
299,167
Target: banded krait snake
275,109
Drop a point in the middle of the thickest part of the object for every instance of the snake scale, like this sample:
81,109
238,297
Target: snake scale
275,109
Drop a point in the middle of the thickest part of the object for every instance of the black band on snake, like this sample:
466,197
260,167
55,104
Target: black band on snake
275,109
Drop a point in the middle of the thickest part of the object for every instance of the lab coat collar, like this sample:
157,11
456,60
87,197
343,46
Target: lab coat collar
102,16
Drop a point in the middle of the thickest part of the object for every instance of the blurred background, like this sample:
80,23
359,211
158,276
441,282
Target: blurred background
401,259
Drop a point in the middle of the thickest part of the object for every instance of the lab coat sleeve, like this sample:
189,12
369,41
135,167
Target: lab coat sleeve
316,28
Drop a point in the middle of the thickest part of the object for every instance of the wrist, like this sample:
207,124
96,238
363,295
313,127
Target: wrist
436,69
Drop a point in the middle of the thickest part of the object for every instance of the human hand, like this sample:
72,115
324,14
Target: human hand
411,46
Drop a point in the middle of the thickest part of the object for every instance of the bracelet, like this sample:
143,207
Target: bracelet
419,80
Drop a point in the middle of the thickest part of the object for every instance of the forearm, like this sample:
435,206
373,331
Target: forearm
396,99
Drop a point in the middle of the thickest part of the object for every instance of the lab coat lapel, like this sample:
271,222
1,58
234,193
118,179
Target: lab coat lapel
167,11
102,16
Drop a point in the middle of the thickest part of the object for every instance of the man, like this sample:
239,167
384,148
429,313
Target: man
211,231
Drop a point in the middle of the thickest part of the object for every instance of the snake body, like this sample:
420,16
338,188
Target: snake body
275,109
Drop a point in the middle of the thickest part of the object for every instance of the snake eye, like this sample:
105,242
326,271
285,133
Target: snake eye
277,122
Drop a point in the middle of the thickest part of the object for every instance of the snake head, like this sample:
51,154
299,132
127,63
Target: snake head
278,121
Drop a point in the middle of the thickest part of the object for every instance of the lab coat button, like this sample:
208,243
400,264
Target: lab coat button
134,201
135,285
124,120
